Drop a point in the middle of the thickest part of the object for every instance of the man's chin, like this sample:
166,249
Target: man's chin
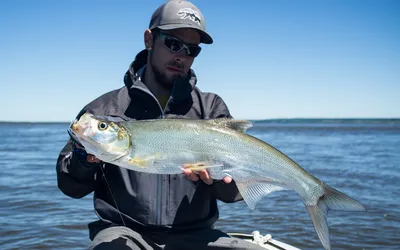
173,78
174,75
169,78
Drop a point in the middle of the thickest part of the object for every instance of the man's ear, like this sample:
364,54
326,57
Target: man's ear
148,39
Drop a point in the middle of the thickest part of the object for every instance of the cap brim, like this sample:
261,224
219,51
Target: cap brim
204,36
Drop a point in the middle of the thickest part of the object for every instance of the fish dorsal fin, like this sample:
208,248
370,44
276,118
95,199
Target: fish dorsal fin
239,125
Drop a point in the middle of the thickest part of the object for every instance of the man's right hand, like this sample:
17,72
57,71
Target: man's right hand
90,158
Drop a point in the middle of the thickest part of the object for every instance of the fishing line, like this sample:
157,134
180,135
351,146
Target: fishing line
112,195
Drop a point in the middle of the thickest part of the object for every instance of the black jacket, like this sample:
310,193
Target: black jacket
146,202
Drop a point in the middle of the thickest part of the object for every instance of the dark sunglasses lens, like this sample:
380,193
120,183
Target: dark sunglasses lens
173,44
194,51
176,46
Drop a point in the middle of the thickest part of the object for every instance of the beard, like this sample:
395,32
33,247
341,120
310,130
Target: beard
162,78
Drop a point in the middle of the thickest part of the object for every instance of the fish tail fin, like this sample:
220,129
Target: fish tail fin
331,200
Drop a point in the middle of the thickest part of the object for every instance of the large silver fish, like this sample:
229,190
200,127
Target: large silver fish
163,146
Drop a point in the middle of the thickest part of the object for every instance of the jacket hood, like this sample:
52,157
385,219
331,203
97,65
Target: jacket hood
181,89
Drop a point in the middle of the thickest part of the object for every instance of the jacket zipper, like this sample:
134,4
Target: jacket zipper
160,178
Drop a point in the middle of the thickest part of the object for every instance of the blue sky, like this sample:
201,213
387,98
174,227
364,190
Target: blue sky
270,59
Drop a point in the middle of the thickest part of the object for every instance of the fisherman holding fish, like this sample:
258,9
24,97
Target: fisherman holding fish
158,153
151,211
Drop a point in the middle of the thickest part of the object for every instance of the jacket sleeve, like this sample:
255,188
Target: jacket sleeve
74,177
224,192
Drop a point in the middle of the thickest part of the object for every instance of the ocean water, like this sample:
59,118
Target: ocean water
359,157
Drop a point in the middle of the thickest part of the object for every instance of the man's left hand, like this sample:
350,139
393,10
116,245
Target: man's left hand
203,175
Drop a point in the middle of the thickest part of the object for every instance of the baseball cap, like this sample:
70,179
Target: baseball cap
176,14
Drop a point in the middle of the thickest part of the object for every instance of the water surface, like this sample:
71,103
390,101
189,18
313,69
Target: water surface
359,157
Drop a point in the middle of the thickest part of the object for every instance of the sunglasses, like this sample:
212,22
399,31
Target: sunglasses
175,45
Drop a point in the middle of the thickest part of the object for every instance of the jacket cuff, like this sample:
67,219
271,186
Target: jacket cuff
226,192
82,170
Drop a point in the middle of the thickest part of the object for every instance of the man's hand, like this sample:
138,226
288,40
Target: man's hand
202,174
90,158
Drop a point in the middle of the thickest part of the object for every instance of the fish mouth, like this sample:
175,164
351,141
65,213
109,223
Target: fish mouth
72,132
76,130
89,145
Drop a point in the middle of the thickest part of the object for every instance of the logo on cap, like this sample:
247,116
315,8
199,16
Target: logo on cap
188,13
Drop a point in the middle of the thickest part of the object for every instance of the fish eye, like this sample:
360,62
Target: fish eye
102,126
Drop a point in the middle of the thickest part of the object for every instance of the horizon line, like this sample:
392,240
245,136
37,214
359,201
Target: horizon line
249,119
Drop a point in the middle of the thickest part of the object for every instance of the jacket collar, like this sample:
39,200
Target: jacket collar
132,78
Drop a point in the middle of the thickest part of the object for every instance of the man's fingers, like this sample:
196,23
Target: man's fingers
190,175
92,159
89,158
203,174
205,177
187,172
227,179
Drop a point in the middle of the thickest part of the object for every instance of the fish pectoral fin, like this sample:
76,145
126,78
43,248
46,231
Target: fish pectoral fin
146,160
253,191
141,162
137,162
201,165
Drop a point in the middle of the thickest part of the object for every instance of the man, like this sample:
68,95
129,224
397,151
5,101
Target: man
145,211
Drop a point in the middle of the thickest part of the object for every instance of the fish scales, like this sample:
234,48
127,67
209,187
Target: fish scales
238,152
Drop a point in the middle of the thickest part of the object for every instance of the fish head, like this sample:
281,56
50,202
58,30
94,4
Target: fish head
104,138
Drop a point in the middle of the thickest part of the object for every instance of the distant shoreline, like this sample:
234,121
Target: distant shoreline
270,120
